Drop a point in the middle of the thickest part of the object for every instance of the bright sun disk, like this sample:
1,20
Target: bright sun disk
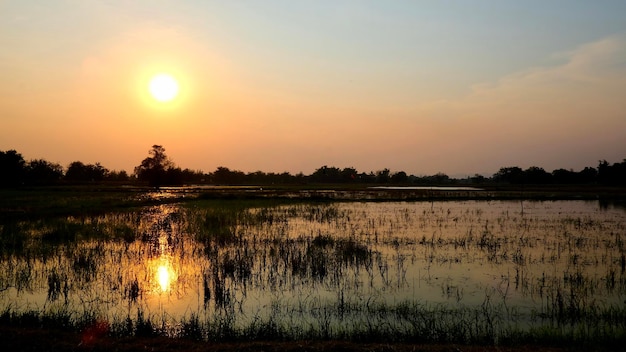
163,87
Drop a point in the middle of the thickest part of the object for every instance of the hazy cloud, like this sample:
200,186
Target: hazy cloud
544,114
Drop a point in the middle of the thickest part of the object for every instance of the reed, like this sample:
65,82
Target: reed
452,272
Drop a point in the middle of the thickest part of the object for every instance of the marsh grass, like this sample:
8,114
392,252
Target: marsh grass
407,321
286,270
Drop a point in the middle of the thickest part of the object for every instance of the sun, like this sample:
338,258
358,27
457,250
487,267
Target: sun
163,87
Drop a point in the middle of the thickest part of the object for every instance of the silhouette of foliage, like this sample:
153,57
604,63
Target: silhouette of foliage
224,176
513,175
382,176
157,169
536,175
564,177
42,172
79,172
117,176
399,177
612,174
12,165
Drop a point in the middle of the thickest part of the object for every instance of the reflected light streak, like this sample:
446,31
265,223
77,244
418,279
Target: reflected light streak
164,274
163,277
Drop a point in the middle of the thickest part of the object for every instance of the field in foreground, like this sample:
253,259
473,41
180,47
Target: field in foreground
424,239
34,339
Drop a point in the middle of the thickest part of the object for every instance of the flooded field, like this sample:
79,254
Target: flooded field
432,271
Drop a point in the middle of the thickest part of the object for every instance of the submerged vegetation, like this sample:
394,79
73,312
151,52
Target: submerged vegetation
475,272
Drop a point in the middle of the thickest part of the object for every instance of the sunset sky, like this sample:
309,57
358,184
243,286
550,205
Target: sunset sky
459,87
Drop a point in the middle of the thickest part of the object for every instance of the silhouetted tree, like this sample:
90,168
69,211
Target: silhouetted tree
613,175
562,176
195,177
43,172
585,176
174,176
399,177
259,177
604,172
382,176
367,178
441,178
286,177
478,179
79,172
588,175
536,175
158,169
513,175
326,174
224,176
12,168
348,174
117,176
76,171
154,169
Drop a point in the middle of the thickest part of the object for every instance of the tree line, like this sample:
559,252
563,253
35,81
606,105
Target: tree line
158,170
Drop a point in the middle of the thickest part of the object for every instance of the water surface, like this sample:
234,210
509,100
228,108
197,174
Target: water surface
318,264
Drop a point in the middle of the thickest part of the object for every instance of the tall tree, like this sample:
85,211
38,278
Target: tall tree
154,168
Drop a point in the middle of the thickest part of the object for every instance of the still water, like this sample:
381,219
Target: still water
292,262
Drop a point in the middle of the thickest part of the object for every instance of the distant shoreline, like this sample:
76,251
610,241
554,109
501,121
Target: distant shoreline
35,201
422,194
321,191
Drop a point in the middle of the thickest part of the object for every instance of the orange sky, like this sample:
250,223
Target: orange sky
292,87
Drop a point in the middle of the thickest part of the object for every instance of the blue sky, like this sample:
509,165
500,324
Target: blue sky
459,87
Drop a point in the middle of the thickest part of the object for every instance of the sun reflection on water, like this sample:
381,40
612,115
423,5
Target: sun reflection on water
163,278
164,274
455,254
